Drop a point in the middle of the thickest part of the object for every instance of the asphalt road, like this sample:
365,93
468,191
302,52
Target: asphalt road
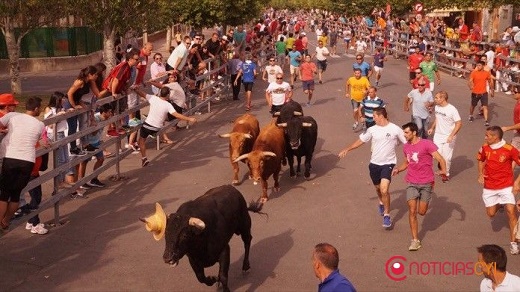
103,247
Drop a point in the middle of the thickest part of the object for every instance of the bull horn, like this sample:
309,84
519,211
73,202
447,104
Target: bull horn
225,135
156,223
298,113
248,136
306,124
283,125
241,157
276,114
268,153
196,222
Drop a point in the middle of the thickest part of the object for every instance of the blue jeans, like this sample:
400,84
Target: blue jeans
61,155
423,125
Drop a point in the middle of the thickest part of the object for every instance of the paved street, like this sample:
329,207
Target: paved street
103,247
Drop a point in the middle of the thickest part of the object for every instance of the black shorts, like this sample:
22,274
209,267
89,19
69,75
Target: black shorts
275,108
322,65
412,75
16,174
379,172
483,98
147,130
248,86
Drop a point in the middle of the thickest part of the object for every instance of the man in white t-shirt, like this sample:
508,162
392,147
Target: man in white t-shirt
361,45
271,70
278,93
319,32
321,59
158,113
385,137
446,126
178,57
492,261
18,147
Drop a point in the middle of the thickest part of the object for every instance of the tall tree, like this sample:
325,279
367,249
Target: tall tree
17,18
112,17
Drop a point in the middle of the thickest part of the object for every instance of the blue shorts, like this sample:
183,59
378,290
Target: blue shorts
308,84
379,172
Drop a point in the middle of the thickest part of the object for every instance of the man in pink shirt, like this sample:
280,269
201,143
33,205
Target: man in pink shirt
420,177
307,71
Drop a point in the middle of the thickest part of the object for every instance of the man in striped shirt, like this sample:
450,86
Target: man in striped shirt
369,103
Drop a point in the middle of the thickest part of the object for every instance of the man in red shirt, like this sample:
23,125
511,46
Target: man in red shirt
463,30
414,60
479,79
496,174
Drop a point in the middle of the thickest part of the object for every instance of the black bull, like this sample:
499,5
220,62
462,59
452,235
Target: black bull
301,134
201,229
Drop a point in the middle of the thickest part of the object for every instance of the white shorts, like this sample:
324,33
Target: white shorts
494,197
294,69
133,99
378,69
432,85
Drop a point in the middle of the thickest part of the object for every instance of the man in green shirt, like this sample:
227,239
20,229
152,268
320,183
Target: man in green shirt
430,70
280,51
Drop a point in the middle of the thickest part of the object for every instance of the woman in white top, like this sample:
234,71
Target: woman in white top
55,108
157,69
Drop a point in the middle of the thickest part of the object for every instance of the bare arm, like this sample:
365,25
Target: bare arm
354,145
456,129
437,156
70,93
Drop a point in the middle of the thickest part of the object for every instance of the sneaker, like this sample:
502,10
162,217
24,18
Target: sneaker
415,245
85,187
90,148
470,118
445,178
112,133
381,209
39,229
514,248
153,136
308,104
486,123
355,125
134,122
134,147
95,183
144,162
28,226
320,82
77,152
509,92
387,222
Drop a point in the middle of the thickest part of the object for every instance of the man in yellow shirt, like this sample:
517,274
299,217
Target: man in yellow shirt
356,89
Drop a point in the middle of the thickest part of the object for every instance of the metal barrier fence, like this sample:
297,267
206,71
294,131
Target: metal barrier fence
217,89
452,56
56,42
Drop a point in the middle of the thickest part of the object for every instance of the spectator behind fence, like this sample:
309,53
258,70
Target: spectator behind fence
325,261
157,70
84,83
56,132
178,57
18,150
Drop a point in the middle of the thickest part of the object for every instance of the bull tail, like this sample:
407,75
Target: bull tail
256,207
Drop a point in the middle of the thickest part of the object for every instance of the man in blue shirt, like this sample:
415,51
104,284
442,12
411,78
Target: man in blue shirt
379,63
248,72
366,69
325,261
295,58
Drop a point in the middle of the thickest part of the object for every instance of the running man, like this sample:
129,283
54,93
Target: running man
385,137
379,63
420,177
356,89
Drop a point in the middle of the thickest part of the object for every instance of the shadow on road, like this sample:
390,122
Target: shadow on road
264,256
440,211
459,164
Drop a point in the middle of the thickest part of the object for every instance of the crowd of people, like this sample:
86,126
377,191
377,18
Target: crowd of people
277,45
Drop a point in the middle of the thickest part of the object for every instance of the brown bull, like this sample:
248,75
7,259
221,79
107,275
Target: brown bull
241,140
266,158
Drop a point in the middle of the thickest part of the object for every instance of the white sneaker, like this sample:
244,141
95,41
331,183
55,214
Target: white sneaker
28,226
514,248
39,229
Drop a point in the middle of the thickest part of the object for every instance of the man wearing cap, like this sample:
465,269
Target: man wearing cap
7,105
18,150
414,61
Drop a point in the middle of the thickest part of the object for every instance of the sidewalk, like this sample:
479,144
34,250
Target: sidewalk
48,82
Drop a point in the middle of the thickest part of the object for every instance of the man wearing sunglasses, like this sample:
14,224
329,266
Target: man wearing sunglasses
278,93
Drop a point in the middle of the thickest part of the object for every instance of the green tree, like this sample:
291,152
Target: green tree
113,17
17,18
